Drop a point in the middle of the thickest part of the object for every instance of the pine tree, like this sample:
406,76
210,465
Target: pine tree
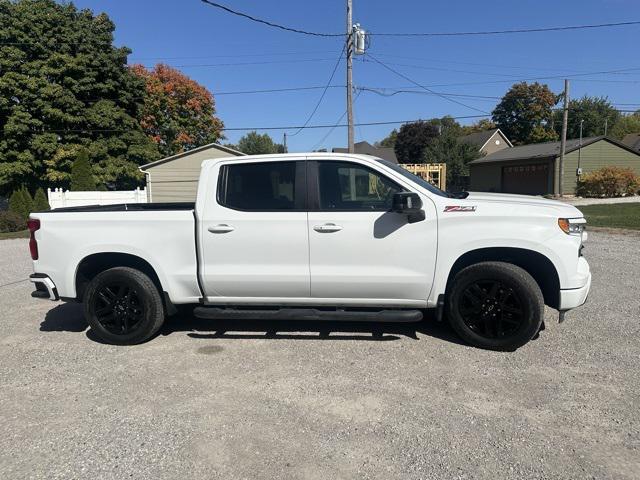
40,202
16,203
27,200
81,175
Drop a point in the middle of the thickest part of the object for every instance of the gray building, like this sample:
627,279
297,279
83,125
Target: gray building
365,148
487,141
175,178
534,169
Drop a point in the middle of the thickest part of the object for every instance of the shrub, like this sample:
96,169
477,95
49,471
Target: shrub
40,202
21,202
11,222
608,182
81,174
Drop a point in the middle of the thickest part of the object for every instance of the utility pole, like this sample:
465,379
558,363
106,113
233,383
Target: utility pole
350,76
563,141
605,126
284,143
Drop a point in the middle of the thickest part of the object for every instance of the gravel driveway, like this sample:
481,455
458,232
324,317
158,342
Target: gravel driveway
322,400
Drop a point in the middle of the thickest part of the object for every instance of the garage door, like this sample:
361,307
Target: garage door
526,179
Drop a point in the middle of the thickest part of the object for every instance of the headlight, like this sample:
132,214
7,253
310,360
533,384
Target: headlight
572,226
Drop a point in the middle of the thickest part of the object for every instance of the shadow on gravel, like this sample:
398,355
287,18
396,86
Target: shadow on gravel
305,330
66,317
69,317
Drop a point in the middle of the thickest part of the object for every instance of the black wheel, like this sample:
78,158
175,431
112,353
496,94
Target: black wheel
495,305
123,306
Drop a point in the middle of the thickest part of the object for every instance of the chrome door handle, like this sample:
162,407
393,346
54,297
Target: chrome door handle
222,228
327,228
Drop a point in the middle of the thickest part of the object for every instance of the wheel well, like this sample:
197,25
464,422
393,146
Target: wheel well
537,265
92,265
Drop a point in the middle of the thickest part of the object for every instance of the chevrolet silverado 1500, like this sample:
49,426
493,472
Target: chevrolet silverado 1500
316,236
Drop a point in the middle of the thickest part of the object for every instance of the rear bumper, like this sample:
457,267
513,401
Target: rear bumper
45,288
574,297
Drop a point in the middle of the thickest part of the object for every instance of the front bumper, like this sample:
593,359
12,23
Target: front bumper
574,297
45,288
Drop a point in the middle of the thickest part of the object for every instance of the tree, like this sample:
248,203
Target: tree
448,149
63,85
255,144
626,124
21,202
524,114
178,113
595,111
479,126
412,141
40,201
389,141
81,175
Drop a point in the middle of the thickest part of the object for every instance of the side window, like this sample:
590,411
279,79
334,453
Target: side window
348,186
258,186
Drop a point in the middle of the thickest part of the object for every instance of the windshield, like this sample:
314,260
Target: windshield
414,178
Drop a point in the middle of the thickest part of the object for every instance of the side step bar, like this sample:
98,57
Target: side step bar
397,316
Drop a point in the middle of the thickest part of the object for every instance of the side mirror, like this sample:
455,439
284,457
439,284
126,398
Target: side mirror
406,202
410,204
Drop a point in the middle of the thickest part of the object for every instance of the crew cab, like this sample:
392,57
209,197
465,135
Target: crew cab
316,236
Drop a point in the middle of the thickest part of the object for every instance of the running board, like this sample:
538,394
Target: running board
397,316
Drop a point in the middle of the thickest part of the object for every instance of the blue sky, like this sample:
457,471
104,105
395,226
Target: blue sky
197,39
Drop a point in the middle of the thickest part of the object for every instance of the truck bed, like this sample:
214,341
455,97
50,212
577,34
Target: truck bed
124,207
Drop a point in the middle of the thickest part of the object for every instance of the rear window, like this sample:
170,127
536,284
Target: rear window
267,186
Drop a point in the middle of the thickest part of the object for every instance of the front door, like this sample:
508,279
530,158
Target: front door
253,233
360,252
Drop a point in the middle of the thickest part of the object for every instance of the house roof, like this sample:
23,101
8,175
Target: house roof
632,140
217,146
365,148
480,139
544,150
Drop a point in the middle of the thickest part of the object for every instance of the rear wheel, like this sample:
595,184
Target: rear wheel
495,305
123,306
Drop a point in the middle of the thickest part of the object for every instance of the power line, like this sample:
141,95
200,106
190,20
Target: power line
326,135
271,24
423,87
315,109
265,62
504,32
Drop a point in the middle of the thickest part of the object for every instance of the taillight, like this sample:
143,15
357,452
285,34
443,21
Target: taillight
33,224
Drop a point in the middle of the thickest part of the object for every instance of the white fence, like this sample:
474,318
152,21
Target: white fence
59,198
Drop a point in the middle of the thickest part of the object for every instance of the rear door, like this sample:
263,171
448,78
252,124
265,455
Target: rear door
253,233
360,251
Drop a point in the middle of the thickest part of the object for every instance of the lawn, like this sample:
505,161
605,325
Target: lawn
615,215
20,234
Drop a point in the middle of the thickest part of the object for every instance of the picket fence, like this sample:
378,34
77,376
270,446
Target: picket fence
59,198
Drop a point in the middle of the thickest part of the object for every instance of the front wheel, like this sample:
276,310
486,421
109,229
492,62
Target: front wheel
123,306
495,305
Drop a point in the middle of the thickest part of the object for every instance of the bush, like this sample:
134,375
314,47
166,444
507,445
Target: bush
21,202
40,202
81,174
608,182
11,222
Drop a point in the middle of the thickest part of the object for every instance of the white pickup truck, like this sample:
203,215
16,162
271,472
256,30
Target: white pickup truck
316,236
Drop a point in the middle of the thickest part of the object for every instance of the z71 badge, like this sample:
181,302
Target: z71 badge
460,208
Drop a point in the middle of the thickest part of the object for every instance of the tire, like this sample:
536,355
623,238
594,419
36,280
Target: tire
123,306
495,306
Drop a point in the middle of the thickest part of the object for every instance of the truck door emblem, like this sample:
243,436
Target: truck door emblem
460,208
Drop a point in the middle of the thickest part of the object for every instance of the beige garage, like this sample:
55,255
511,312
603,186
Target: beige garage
175,178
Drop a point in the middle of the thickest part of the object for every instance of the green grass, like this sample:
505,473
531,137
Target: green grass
615,215
20,234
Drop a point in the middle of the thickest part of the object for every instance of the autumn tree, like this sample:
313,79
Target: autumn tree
524,114
412,141
63,86
178,113
480,126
